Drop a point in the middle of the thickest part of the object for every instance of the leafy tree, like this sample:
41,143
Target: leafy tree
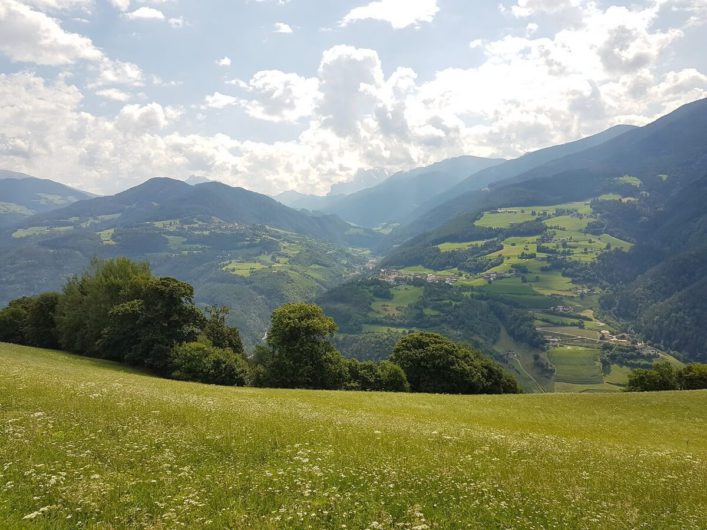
301,354
40,325
383,376
83,312
12,320
144,330
693,377
218,332
433,363
661,377
362,375
391,378
194,361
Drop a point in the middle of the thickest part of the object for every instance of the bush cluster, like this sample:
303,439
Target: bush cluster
664,376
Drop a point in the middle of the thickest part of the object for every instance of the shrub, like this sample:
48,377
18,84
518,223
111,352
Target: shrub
661,377
384,376
194,361
693,377
391,378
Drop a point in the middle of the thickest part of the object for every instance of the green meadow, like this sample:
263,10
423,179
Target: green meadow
89,444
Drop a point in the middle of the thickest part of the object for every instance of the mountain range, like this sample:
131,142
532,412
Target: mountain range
396,198
612,229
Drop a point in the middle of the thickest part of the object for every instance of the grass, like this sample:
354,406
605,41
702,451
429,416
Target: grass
12,208
88,444
448,247
376,328
576,365
243,268
631,181
403,296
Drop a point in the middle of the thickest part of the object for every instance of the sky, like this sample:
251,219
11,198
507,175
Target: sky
276,95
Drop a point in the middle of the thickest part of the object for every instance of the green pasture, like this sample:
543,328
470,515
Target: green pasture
576,364
89,444
403,296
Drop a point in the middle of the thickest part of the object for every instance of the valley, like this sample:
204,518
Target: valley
570,265
542,273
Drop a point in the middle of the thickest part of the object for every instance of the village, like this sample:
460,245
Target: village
396,277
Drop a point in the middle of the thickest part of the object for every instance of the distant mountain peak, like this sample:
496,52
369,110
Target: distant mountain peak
193,180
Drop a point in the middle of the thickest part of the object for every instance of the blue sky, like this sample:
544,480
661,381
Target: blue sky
301,94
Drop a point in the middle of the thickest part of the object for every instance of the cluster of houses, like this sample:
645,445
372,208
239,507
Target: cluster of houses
561,309
394,276
493,276
622,338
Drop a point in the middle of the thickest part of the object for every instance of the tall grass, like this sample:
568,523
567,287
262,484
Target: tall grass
88,444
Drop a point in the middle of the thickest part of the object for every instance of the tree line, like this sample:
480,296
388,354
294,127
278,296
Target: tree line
117,310
664,376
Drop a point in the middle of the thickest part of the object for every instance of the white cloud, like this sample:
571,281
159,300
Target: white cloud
122,5
217,100
526,8
281,27
145,13
114,94
225,61
31,36
60,4
119,73
177,22
398,13
280,97
140,119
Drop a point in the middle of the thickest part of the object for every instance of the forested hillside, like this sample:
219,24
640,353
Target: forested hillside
22,196
235,246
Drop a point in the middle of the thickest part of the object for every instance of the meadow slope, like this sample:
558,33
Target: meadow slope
89,444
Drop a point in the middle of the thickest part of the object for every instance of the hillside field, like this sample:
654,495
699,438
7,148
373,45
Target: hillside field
90,444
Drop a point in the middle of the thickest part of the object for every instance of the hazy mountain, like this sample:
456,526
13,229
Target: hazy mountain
364,178
299,201
193,180
396,198
22,196
446,205
161,199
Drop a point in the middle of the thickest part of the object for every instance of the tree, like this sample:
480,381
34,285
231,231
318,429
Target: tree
218,332
391,378
661,377
40,325
143,331
195,361
693,377
83,312
433,363
383,376
301,354
12,320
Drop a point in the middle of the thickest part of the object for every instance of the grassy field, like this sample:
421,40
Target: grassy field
403,296
88,444
576,365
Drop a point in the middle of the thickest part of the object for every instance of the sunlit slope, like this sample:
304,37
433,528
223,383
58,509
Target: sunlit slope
88,444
